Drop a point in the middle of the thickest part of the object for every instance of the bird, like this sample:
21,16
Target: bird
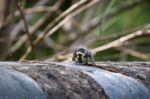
83,56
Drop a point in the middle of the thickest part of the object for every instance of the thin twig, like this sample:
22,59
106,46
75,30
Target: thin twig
35,10
121,41
108,9
25,23
134,53
115,35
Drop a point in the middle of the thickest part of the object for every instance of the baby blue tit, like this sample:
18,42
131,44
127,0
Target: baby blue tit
83,56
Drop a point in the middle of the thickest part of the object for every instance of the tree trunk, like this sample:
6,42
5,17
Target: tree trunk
106,80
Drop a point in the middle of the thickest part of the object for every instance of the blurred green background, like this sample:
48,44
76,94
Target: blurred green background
93,24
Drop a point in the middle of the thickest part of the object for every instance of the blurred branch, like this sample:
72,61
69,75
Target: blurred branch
115,35
37,25
2,12
121,41
60,57
59,18
19,26
36,10
70,17
25,23
6,9
108,9
53,26
97,21
134,53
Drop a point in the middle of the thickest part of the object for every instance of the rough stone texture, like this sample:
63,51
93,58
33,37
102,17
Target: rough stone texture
114,80
61,82
137,70
116,85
